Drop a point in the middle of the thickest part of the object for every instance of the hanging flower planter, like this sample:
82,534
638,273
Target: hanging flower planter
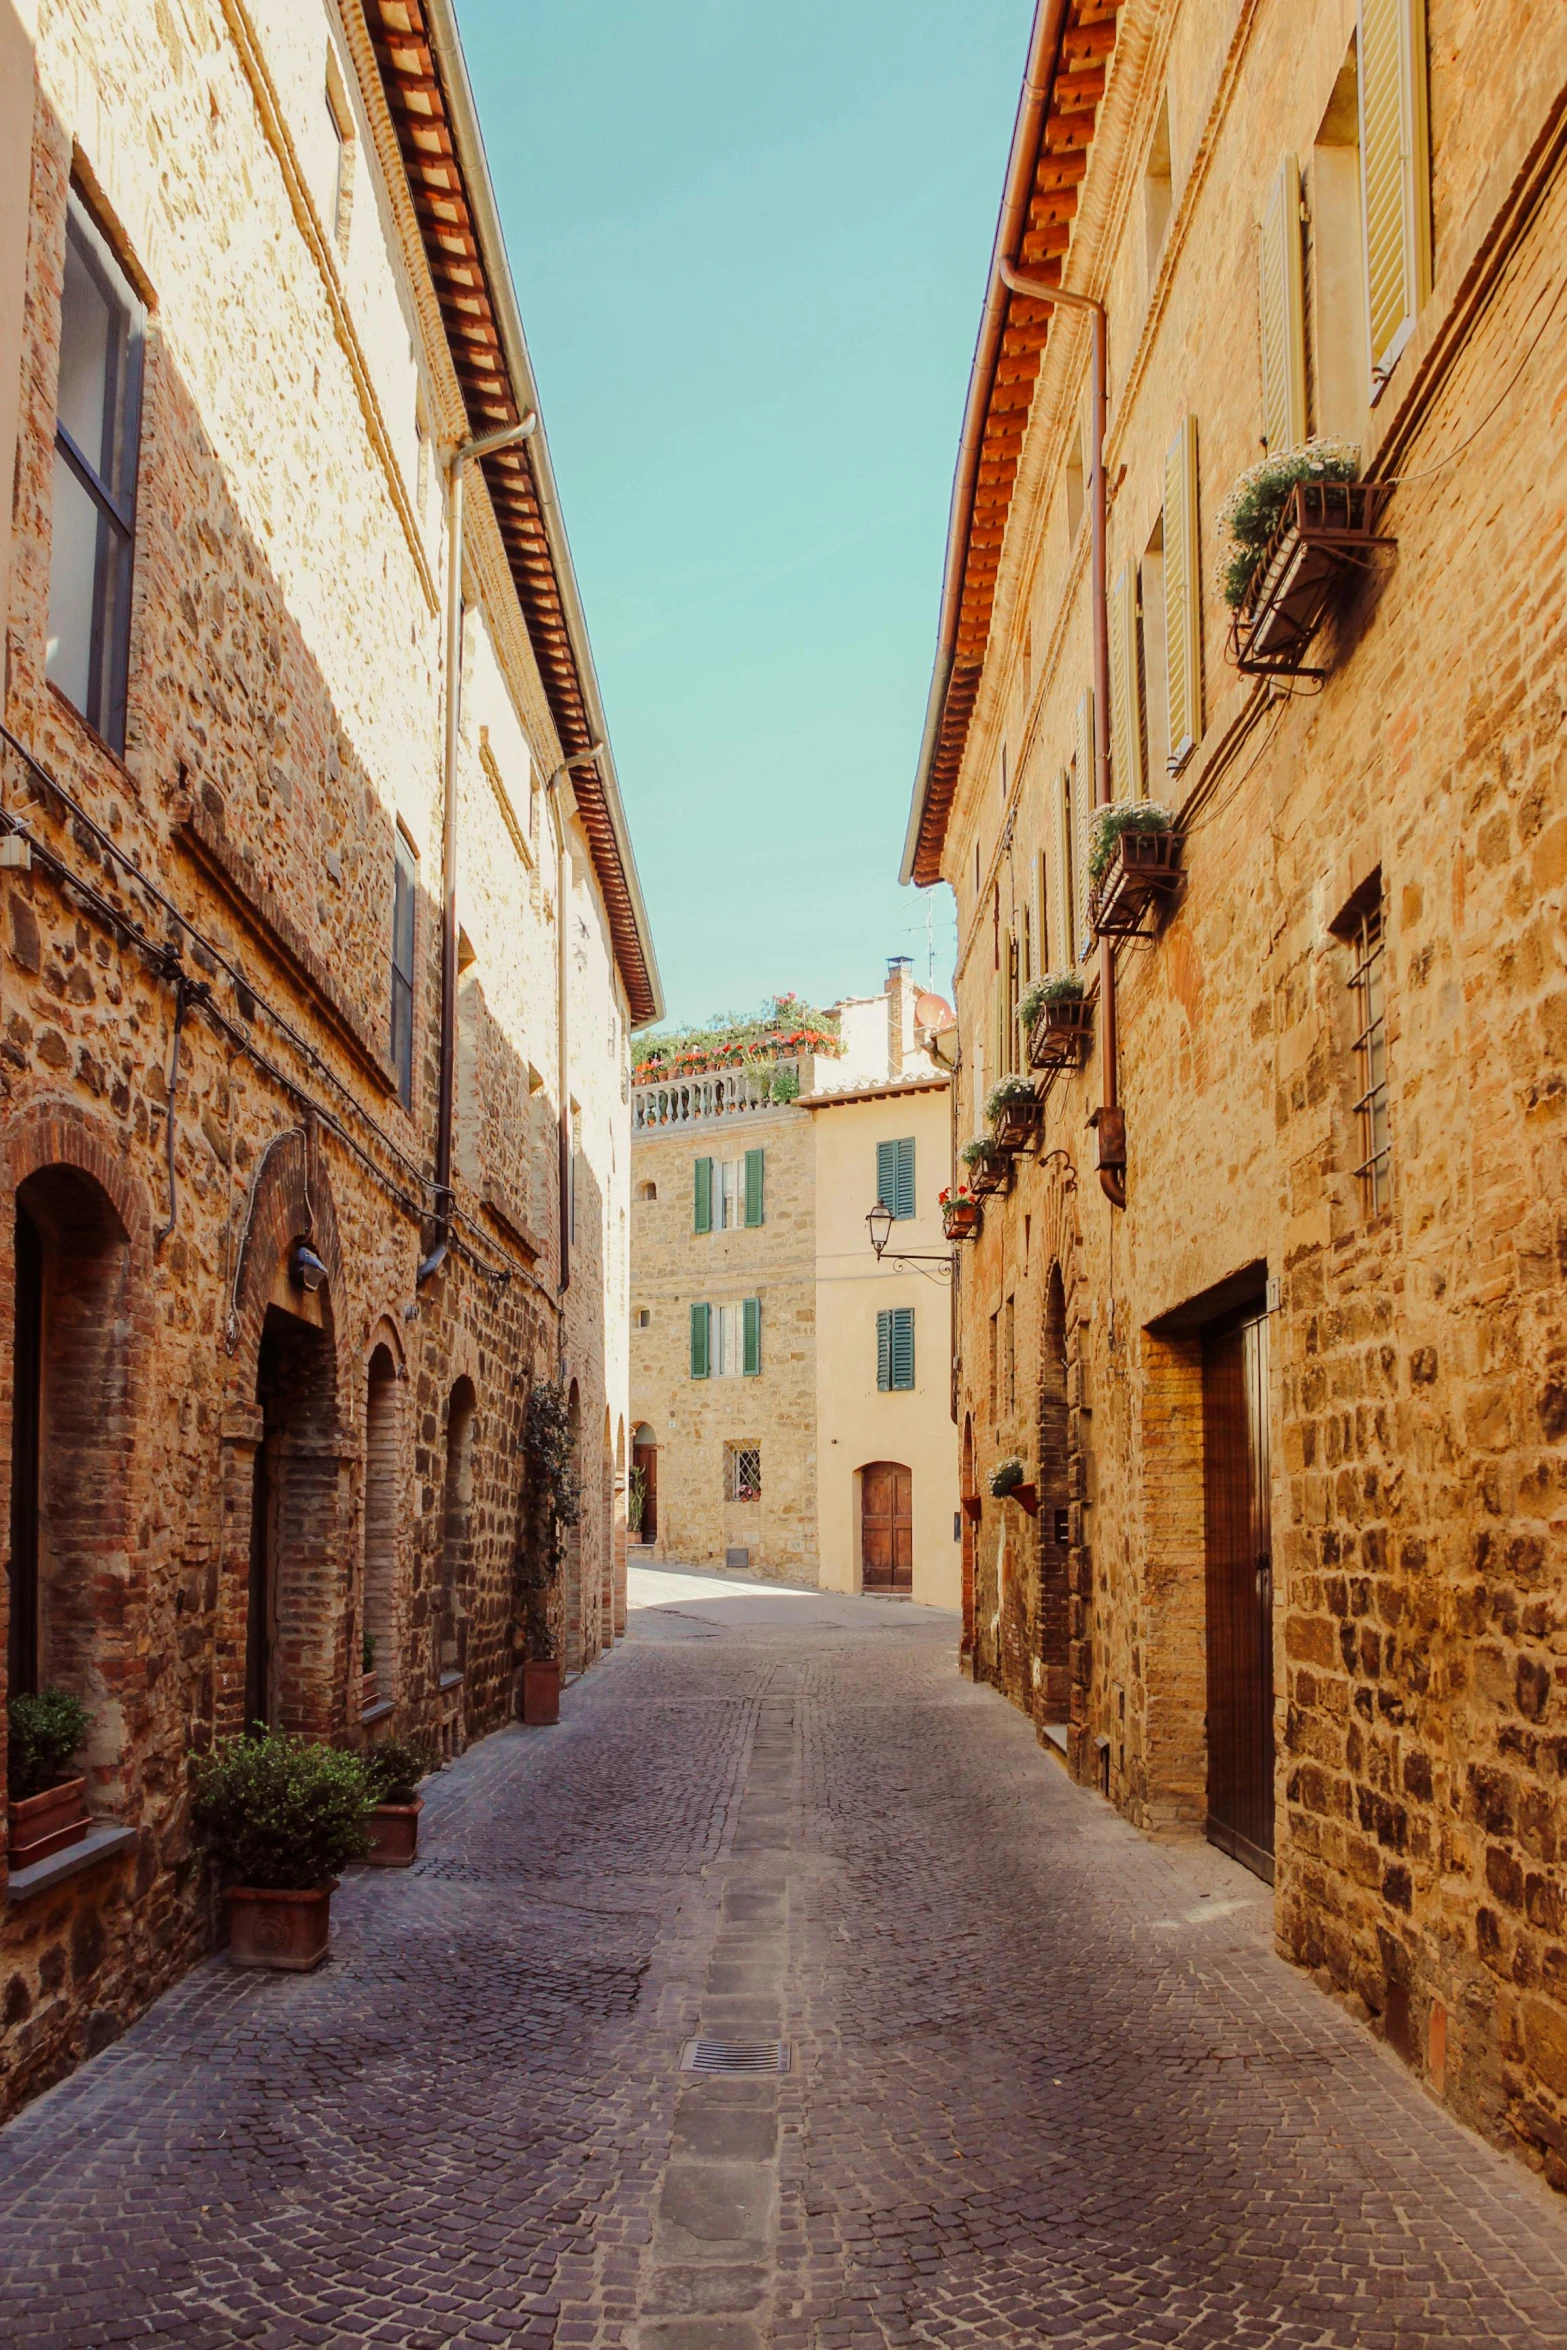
1057,1019
1134,868
1008,1481
1293,531
960,1213
988,1165
1016,1114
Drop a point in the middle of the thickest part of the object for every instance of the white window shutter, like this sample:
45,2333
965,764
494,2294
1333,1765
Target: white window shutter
1126,732
1395,175
1182,594
1283,315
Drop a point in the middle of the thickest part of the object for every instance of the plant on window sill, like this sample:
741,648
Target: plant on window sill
1134,862
1016,1113
47,1808
1056,1016
1291,531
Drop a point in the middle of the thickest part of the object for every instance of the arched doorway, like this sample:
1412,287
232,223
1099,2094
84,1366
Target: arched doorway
380,1584
71,1433
294,1570
887,1529
644,1471
1055,1511
969,1503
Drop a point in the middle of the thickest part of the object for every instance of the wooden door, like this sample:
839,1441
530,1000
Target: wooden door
1239,1589
887,1529
645,1458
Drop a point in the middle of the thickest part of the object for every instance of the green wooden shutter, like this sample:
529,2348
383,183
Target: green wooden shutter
884,1351
701,1331
887,1174
704,1195
753,1186
751,1364
902,1202
903,1346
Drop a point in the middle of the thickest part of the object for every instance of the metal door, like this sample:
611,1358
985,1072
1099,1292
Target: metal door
887,1529
1239,1588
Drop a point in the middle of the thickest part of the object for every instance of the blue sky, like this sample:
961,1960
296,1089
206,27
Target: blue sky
750,246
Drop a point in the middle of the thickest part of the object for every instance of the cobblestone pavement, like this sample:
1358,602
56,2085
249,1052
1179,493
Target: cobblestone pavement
1049,2082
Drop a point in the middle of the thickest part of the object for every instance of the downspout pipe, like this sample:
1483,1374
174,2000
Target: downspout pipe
457,461
587,758
1109,1119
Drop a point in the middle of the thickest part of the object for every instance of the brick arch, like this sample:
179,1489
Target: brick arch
93,1462
290,1199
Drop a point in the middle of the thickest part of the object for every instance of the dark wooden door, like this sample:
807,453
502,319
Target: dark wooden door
887,1528
1240,1589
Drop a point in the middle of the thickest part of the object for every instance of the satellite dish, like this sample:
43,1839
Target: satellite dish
933,1012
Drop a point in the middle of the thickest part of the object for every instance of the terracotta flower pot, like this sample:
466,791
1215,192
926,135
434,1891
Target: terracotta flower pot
541,1692
41,1824
393,1830
285,1930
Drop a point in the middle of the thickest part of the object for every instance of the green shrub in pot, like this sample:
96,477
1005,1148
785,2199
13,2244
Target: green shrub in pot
280,1813
393,1770
1056,987
45,1730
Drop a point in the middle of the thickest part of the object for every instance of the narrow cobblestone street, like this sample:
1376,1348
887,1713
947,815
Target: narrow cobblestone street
1049,2083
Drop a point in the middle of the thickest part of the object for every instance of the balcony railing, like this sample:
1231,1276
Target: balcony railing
694,1101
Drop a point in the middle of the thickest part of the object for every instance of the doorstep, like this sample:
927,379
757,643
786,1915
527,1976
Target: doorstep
99,1843
1054,1734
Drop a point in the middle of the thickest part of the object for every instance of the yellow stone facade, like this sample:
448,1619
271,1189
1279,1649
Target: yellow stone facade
1402,813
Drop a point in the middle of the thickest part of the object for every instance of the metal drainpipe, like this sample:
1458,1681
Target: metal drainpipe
562,1032
484,446
1108,1120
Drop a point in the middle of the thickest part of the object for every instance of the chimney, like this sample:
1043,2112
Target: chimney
900,1014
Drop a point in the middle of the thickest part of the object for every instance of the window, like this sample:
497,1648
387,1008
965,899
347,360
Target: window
726,1341
404,899
1182,605
1011,1354
729,1193
573,1165
1075,493
1158,190
895,1349
340,152
97,424
1341,370
742,1472
644,1318
647,1191
1150,653
1367,979
895,1175
1395,176
1283,312
1128,780
1085,786
995,1363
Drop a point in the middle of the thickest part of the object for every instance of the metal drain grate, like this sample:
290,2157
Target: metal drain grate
735,2056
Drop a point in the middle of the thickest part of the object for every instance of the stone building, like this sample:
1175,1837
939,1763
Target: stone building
788,1419
320,948
1272,1295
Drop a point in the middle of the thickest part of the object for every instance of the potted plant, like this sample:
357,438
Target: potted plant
541,1667
393,1771
369,1687
1134,860
281,1816
636,1503
987,1164
1009,1482
1290,531
46,1809
1056,1017
960,1212
1016,1113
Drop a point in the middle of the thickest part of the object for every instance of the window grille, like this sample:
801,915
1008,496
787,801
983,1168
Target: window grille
895,1175
96,435
895,1349
742,1472
1368,980
404,899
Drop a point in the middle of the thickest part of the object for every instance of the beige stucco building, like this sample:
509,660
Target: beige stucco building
773,1361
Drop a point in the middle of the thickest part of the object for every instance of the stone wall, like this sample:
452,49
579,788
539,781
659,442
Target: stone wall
204,938
1415,1407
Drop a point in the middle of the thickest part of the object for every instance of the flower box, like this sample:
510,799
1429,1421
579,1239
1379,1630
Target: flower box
1143,875
989,1174
288,1931
1017,1122
961,1219
541,1692
43,1824
1060,1033
393,1830
1326,532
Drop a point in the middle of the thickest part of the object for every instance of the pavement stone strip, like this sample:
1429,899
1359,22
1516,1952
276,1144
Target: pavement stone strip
1048,2081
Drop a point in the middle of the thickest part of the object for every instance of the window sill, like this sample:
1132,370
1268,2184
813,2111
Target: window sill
377,1713
99,1843
449,1681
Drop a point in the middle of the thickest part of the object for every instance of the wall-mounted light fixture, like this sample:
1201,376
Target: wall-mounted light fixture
307,1269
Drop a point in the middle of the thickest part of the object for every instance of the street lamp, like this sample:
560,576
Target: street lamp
879,1225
